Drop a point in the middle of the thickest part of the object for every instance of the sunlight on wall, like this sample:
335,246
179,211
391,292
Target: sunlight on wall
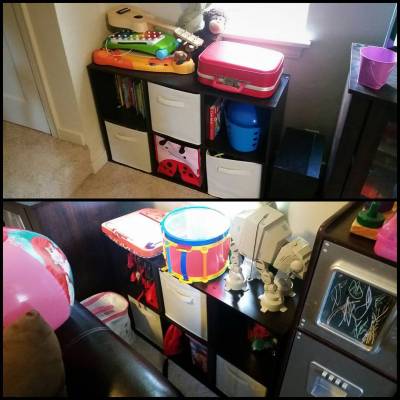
276,21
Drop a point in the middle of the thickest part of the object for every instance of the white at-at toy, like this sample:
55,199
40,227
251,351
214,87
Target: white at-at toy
235,279
263,237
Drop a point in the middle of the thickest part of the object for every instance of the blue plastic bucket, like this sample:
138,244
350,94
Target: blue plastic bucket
243,139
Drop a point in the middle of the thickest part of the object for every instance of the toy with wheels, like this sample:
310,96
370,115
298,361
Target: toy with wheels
156,43
141,62
36,275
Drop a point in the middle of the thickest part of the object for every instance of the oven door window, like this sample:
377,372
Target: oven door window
355,310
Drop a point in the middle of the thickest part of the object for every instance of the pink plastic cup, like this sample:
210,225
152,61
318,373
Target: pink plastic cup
376,65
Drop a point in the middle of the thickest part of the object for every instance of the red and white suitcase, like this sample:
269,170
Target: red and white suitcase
240,68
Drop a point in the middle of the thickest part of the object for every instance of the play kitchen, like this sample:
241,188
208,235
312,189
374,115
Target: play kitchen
346,336
211,111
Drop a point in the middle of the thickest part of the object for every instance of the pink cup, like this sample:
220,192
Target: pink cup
376,65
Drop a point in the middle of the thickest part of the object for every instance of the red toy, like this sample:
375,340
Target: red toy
241,68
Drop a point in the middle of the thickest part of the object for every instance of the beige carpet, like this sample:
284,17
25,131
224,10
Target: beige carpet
37,165
117,181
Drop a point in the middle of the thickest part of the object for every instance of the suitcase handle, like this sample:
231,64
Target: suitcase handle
228,88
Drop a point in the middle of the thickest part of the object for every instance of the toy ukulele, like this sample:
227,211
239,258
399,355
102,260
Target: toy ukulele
141,62
138,21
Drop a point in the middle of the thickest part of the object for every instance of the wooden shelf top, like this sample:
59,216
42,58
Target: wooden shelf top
279,323
189,83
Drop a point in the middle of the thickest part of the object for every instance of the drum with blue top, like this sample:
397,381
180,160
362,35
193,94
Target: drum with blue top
196,243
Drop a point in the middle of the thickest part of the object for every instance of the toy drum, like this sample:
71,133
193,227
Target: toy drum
196,243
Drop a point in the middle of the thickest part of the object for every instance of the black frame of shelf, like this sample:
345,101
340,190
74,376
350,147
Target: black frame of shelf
188,83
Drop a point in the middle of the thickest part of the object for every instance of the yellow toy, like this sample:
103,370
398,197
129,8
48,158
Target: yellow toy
141,62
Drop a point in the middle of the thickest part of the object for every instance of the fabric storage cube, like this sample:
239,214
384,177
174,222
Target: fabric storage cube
184,304
129,146
147,322
175,113
175,160
235,383
228,178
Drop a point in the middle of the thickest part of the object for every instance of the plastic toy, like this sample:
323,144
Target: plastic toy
386,240
368,221
141,62
196,243
137,20
139,232
235,279
242,126
156,43
263,238
36,275
261,338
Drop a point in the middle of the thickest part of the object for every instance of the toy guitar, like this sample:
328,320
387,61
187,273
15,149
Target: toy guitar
138,21
141,62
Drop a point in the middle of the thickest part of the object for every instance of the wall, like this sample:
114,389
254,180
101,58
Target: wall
318,77
83,29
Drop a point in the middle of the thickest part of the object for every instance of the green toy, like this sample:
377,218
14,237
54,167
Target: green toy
371,218
159,44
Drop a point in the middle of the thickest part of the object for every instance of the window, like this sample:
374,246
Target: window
280,22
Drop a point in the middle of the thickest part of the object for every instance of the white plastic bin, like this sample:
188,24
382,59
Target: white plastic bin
235,383
112,309
184,304
228,178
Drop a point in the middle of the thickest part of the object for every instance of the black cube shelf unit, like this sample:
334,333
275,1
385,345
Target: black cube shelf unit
270,112
229,315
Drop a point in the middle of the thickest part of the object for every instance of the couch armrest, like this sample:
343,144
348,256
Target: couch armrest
99,363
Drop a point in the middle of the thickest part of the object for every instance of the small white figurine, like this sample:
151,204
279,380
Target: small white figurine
272,300
235,279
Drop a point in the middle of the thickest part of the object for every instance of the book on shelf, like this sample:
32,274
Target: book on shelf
214,118
130,94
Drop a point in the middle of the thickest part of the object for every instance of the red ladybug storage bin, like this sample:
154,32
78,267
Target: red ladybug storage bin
240,68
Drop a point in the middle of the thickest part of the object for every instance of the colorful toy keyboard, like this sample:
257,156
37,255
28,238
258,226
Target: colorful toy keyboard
152,42
141,62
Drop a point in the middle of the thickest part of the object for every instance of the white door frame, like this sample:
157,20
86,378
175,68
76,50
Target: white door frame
27,34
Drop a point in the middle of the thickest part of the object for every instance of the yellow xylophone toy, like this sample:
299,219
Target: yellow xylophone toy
141,62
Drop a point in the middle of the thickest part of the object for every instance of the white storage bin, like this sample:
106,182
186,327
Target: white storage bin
233,179
175,113
184,304
128,146
235,383
147,322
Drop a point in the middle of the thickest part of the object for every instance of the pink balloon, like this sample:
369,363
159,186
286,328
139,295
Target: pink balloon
27,285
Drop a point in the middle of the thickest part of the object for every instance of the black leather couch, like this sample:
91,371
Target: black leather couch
99,363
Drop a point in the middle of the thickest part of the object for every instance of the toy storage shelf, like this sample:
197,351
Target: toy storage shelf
103,87
260,365
229,315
